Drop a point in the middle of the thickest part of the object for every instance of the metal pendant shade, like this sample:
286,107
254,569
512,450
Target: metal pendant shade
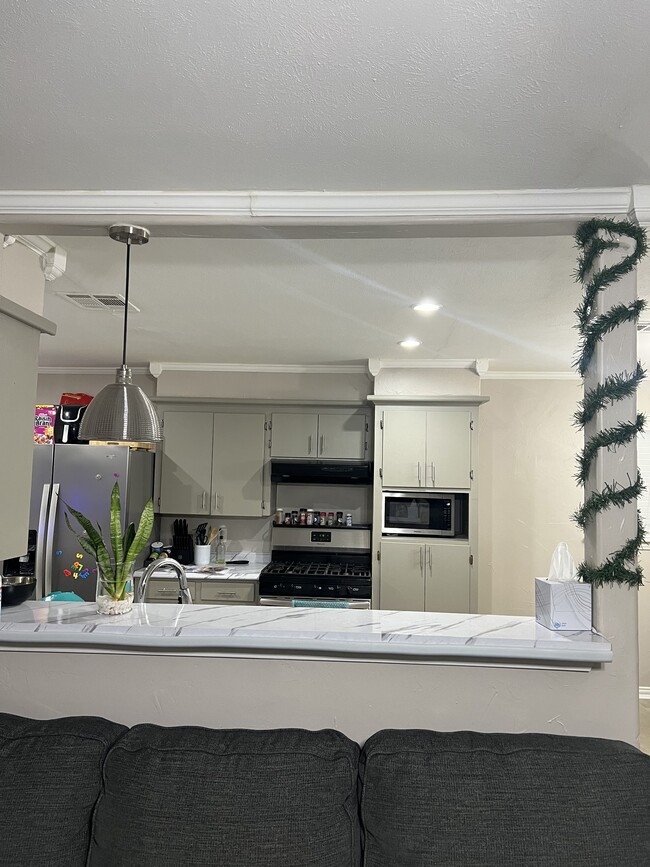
122,412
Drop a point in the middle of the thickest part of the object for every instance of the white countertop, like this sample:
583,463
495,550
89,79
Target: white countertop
249,572
308,631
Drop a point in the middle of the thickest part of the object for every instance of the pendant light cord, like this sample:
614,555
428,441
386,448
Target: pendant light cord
126,300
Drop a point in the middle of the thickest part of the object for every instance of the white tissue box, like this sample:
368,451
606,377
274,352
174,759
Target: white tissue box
563,605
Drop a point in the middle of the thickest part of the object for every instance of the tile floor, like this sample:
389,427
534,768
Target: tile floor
644,715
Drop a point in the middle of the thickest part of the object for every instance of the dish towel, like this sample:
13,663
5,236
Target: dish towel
319,603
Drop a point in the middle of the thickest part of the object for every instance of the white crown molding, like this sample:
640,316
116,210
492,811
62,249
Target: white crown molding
640,204
156,368
644,693
475,364
88,371
53,257
531,374
437,399
78,210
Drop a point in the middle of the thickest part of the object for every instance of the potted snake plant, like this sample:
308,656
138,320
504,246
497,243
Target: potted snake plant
115,587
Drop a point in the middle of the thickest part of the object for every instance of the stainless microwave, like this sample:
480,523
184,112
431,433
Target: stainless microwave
424,514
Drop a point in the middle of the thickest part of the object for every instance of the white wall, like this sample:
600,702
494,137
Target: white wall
51,386
21,277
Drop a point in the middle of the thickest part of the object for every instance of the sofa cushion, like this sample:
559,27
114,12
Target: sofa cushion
465,798
50,779
231,798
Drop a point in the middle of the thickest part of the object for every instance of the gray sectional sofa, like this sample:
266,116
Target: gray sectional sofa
85,791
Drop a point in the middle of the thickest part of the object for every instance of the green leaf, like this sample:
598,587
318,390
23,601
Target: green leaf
129,536
83,540
142,536
103,559
116,525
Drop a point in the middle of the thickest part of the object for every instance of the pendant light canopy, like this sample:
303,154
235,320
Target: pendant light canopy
122,412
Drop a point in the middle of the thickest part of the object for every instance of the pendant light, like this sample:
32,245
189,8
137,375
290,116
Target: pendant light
122,412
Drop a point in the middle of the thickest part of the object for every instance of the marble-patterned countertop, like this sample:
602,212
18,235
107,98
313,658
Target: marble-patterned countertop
317,632
249,572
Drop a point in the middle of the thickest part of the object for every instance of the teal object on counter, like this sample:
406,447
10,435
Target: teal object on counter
320,603
62,596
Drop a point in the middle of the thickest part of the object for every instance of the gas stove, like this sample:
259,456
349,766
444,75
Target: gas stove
326,567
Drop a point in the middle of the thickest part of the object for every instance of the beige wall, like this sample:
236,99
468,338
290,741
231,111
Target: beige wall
21,277
52,385
527,490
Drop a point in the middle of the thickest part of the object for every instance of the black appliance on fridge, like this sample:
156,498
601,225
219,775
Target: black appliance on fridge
83,477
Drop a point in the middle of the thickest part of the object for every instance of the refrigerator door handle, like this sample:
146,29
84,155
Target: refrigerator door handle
49,540
39,565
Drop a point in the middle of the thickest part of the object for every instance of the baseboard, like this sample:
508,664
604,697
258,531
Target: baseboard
644,693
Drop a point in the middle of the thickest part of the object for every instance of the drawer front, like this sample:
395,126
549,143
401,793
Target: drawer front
163,590
224,592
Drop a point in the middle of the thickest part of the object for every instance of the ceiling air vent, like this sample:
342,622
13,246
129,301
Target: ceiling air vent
112,303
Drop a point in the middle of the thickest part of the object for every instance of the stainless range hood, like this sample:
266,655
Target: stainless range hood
321,472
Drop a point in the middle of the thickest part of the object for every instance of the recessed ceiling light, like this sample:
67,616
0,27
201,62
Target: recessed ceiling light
426,307
410,342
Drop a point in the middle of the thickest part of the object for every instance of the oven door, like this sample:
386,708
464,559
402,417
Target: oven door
418,514
305,602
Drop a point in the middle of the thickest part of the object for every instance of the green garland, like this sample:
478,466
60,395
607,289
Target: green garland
614,570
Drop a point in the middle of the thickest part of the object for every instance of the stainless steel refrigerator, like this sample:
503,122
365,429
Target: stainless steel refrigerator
81,476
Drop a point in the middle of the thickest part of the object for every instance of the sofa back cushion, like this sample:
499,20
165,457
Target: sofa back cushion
465,798
50,779
231,798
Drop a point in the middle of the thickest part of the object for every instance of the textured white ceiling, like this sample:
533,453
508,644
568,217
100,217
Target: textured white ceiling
353,94
320,301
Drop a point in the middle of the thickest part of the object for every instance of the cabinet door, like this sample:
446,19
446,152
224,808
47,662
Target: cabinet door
448,461
447,578
186,463
167,590
294,435
401,585
404,439
238,464
342,435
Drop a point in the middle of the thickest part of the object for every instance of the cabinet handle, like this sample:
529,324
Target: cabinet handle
420,559
433,474
216,502
430,559
419,476
203,500
322,444
309,444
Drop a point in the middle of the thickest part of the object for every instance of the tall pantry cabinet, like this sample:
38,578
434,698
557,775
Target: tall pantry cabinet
427,444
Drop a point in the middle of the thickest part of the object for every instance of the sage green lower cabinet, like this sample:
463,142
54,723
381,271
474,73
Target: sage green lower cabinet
226,592
402,576
204,592
424,576
447,574
166,590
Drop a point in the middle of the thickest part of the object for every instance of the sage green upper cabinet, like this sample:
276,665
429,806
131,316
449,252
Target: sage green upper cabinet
342,435
186,474
238,465
427,448
332,436
213,464
294,435
404,446
448,452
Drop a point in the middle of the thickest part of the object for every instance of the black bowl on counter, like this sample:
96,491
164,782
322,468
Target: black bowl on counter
17,589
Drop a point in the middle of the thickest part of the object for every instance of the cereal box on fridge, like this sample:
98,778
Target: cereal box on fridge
44,424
